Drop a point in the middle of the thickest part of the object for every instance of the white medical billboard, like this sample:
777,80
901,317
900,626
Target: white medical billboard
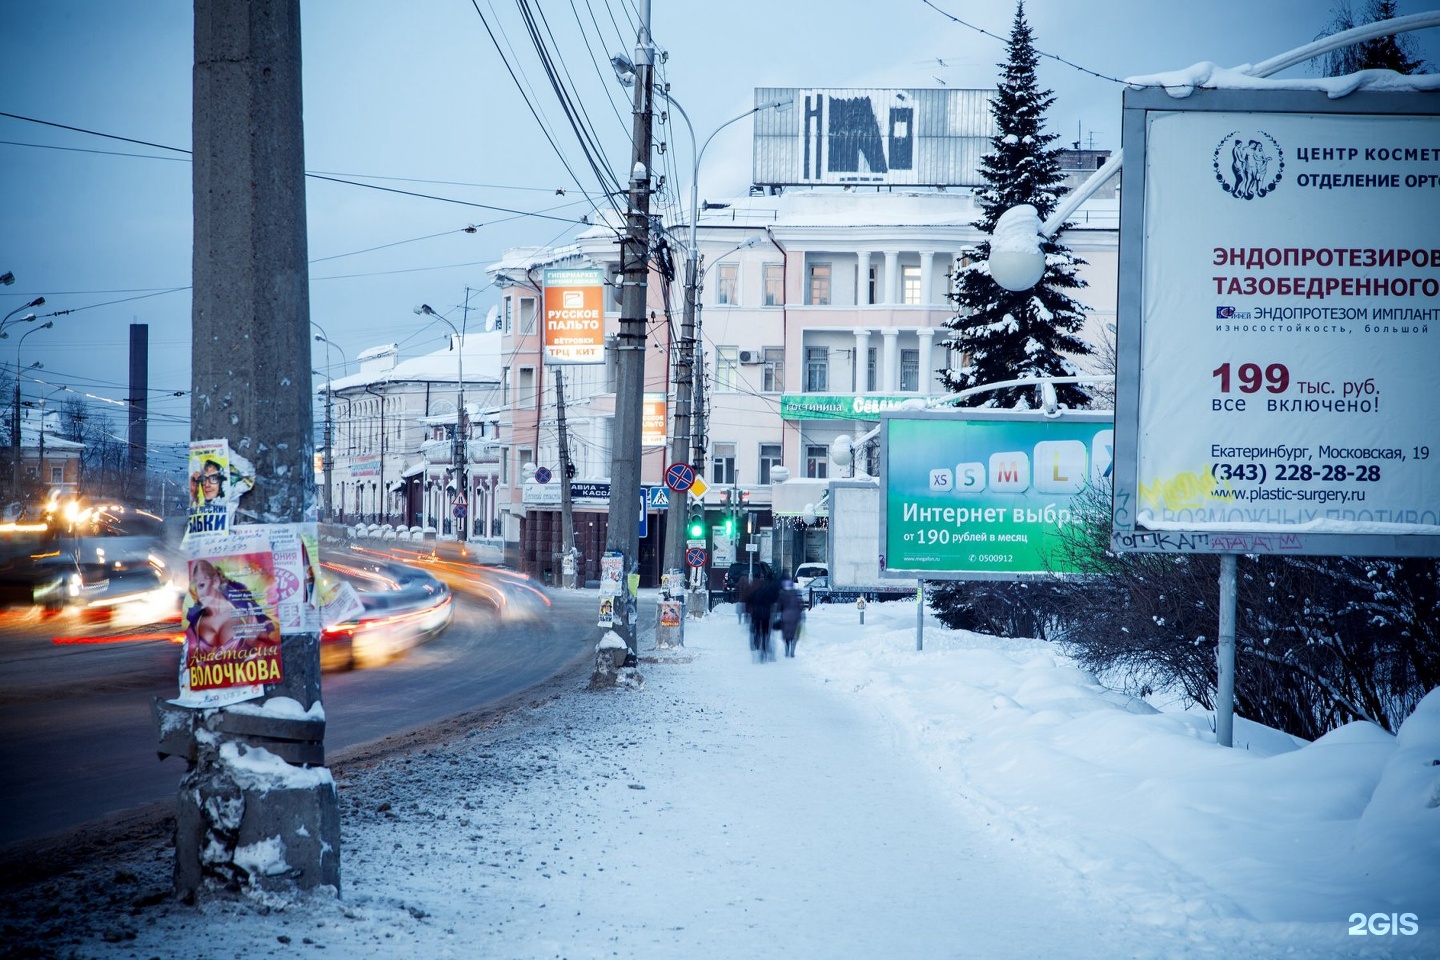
1279,324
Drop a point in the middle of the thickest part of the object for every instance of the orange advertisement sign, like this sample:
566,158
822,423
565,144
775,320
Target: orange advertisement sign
574,322
652,423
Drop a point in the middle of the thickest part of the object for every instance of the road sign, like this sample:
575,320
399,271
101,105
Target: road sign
657,498
458,511
695,557
542,474
679,476
698,487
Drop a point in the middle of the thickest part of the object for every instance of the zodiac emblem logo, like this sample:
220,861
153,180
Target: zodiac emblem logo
1248,165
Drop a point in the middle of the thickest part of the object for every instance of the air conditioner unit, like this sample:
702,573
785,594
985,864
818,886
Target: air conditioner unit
751,356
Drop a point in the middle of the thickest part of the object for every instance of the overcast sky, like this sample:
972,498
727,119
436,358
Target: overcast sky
416,97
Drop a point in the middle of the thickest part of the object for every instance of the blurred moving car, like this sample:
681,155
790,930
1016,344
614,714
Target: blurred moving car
403,607
78,552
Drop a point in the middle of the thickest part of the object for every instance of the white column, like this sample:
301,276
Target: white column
862,278
926,335
927,278
862,361
892,277
888,367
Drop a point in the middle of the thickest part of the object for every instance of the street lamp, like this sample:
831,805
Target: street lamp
15,446
38,301
462,500
690,334
327,459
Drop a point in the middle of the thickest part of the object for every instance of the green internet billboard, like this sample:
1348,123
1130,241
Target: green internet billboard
984,494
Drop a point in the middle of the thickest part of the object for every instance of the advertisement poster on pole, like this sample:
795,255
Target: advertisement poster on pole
293,548
574,321
218,478
612,567
232,631
1278,352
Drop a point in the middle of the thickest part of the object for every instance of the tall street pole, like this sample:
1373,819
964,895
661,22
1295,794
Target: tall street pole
623,531
251,387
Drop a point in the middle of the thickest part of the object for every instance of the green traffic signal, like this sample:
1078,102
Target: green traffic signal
697,528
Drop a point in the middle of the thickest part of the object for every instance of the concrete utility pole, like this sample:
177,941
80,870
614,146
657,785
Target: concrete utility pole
623,531
251,386
567,513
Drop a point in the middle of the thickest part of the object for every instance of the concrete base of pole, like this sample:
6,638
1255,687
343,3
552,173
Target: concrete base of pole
249,821
611,672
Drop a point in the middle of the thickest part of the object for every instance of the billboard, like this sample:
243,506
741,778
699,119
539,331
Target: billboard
1279,324
574,322
886,136
984,495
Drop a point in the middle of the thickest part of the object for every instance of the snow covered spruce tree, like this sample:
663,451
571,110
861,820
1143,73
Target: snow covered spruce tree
1001,334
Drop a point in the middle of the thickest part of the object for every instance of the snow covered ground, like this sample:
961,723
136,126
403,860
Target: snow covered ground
981,797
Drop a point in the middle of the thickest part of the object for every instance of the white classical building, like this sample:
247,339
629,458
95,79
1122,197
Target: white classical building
823,301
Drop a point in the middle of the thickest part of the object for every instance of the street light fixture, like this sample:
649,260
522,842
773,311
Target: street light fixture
461,452
691,352
327,459
38,301
15,446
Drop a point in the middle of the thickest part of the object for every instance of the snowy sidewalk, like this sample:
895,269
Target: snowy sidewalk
980,799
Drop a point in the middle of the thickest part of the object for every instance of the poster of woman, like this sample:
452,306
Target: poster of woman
232,632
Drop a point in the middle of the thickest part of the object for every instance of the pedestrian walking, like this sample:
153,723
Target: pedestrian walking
791,615
762,612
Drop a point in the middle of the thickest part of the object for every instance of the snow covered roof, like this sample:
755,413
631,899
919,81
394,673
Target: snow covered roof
481,362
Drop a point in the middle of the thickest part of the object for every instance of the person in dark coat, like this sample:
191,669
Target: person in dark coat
792,614
761,609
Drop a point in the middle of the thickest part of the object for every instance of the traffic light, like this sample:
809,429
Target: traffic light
729,524
696,526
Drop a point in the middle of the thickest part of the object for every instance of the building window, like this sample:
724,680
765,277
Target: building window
817,369
820,284
774,284
527,314
873,296
727,368
872,364
509,312
769,459
817,460
524,455
505,386
773,376
57,473
722,464
910,370
525,389
910,285
727,284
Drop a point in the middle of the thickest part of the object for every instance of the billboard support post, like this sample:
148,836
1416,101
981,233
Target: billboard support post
1225,656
